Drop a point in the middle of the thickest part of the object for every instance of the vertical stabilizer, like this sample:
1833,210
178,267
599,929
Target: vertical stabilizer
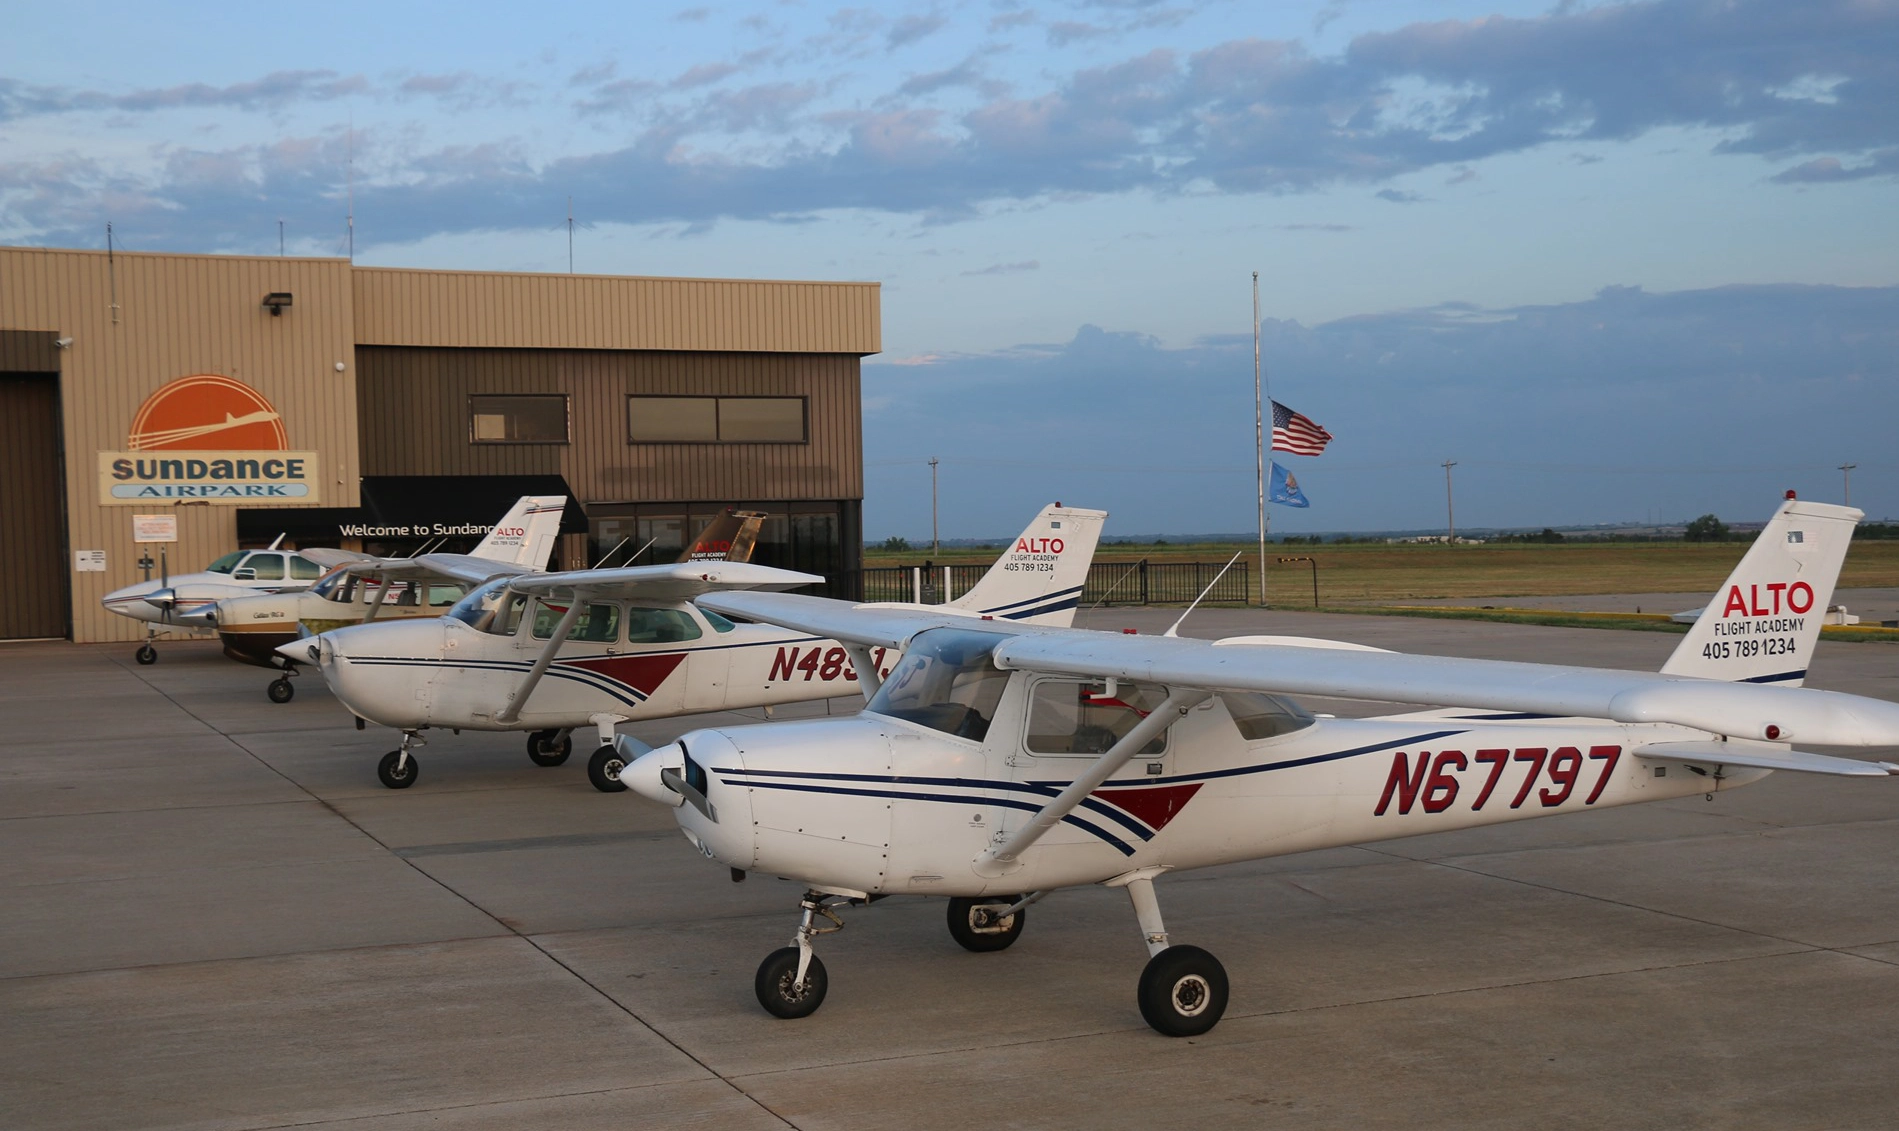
1765,619
727,538
1039,577
525,535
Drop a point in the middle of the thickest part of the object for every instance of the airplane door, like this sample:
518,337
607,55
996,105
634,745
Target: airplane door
1069,724
582,679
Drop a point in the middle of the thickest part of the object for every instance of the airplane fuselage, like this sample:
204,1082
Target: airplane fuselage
877,805
439,672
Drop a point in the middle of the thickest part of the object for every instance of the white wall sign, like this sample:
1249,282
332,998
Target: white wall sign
154,528
89,561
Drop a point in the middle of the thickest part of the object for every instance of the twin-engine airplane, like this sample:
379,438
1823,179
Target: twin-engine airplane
999,762
253,626
551,653
184,603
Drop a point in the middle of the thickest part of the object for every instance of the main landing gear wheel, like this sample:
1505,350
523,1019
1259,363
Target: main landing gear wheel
146,654
603,770
549,747
1183,991
780,991
397,769
281,690
978,925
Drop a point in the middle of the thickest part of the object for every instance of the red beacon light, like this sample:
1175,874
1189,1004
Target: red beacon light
1790,494
1130,632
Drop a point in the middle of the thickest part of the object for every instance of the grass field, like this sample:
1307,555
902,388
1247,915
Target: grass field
1382,573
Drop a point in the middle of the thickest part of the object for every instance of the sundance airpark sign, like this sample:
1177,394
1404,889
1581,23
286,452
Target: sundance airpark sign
208,439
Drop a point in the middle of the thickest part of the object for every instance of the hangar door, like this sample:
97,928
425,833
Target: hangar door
34,600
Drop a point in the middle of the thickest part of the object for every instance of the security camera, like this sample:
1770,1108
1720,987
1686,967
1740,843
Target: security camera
62,343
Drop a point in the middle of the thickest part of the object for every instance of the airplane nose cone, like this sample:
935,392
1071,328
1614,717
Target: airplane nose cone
308,650
642,774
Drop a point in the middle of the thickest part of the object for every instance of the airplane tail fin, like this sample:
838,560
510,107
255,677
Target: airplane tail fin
727,538
1764,621
1039,577
525,535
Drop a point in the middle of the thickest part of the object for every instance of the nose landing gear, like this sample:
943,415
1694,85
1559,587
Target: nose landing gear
398,768
281,690
791,981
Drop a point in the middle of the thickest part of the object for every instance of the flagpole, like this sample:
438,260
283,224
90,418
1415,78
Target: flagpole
1259,441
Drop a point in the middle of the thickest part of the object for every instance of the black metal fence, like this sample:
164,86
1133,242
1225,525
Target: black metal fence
1109,583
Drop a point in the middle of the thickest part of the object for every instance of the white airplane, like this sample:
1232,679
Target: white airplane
551,653
184,603
253,626
999,762
188,602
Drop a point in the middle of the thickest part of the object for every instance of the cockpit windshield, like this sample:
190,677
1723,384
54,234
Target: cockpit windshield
227,563
336,585
947,681
477,609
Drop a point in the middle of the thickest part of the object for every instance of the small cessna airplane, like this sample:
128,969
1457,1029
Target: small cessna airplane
551,653
184,603
998,762
253,626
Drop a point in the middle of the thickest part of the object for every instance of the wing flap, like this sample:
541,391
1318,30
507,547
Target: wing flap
1764,758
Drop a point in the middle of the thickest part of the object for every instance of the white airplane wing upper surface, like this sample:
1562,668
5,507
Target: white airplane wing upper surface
452,567
677,581
1742,710
330,558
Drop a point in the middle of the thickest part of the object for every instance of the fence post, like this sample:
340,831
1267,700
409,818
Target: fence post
1143,581
916,585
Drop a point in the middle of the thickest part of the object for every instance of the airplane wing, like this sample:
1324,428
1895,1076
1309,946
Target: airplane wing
331,558
872,625
1741,710
464,568
677,581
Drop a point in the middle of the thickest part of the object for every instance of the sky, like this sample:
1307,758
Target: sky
1620,262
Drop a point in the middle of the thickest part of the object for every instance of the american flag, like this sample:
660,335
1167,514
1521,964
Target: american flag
1297,434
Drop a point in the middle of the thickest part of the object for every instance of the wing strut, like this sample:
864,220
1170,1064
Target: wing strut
868,677
382,594
518,698
1002,857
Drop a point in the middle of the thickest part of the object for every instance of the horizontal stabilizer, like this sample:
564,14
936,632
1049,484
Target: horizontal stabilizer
1765,758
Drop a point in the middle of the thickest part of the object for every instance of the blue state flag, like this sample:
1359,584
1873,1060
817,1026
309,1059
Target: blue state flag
1283,488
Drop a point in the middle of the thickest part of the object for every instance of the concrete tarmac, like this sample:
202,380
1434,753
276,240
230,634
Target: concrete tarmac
215,917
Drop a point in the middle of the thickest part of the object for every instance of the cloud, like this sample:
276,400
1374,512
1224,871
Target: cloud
1317,228
1806,87
1560,413
1400,196
910,29
1008,268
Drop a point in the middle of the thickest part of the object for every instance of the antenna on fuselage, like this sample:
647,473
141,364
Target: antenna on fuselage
1175,630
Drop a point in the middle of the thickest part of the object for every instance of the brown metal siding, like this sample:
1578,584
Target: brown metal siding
32,553
414,407
178,315
470,309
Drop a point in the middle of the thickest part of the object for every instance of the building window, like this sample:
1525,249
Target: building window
715,420
518,419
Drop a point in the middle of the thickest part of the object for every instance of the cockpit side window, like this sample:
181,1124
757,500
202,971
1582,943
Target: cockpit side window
265,567
1071,718
947,681
1258,715
596,624
303,569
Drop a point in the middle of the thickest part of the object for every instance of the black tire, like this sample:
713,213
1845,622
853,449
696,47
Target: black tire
281,690
146,654
386,770
545,751
1183,991
603,770
970,923
776,992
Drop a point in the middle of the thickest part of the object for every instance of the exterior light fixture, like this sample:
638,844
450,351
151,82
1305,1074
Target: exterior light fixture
275,302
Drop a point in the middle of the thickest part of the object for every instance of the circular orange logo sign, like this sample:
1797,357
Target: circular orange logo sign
207,413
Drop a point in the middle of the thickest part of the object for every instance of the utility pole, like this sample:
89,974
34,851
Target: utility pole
1259,442
1846,469
935,548
1450,511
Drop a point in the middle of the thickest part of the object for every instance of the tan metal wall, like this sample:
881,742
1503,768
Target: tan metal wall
464,308
415,421
177,315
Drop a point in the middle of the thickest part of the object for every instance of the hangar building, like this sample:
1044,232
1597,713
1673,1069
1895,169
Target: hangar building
235,399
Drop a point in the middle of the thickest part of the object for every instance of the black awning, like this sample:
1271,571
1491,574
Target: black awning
422,503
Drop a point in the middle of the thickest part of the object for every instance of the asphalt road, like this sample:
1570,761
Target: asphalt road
215,917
